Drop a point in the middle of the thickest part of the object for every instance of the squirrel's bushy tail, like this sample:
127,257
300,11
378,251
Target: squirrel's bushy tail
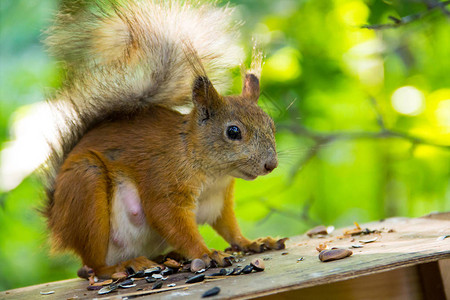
122,56
132,52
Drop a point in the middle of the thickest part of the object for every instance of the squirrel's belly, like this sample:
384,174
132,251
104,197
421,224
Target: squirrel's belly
210,202
130,235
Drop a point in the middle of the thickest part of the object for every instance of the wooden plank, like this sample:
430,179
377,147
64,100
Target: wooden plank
412,242
444,267
403,283
431,281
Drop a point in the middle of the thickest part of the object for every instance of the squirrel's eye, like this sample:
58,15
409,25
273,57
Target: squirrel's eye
234,133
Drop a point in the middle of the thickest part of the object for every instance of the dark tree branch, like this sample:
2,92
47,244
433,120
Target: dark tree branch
431,6
303,216
322,138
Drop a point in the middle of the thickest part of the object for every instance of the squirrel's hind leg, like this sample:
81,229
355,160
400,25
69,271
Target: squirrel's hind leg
85,193
79,218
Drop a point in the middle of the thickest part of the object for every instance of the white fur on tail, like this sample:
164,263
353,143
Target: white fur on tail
134,49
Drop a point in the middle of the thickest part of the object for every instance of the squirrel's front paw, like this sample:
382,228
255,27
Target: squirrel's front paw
260,245
217,258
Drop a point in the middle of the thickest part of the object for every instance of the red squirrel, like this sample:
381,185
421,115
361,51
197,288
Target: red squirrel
132,177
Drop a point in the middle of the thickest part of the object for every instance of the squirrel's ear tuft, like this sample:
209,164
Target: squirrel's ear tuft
250,90
204,94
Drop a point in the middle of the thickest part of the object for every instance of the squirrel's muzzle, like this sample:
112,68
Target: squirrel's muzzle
271,164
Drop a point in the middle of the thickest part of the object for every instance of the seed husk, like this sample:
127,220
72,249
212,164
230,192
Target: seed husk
119,275
157,276
237,271
157,285
167,271
150,279
47,293
172,264
171,285
138,274
229,272
258,264
247,269
222,272
106,282
212,292
442,237
94,287
127,284
317,230
357,246
108,289
196,278
151,271
322,246
197,264
369,241
330,229
334,254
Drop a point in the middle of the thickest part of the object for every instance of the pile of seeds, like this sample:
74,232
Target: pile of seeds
157,275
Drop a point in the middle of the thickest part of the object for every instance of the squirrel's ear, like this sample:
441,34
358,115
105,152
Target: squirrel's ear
250,90
204,94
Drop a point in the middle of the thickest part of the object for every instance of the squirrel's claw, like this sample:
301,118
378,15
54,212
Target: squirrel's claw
222,259
217,258
260,245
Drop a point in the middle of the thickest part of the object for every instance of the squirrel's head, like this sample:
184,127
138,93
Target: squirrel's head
235,135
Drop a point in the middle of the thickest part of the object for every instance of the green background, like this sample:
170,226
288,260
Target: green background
346,152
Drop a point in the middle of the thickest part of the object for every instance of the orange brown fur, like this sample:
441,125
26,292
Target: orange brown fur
132,175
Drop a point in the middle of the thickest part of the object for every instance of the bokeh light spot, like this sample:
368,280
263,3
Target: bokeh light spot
408,100
283,65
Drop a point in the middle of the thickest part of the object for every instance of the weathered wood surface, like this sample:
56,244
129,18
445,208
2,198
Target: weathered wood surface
412,242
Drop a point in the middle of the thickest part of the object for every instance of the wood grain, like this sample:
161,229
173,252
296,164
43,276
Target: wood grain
412,242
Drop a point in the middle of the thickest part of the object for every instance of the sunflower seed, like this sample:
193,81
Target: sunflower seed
167,271
317,230
197,265
151,271
196,278
108,289
157,285
258,264
127,284
247,269
212,292
334,254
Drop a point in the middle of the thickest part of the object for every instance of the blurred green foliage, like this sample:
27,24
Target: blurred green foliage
353,145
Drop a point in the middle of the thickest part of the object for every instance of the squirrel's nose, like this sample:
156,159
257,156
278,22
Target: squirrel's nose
270,165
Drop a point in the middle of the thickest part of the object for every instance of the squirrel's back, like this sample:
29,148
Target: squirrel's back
122,56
